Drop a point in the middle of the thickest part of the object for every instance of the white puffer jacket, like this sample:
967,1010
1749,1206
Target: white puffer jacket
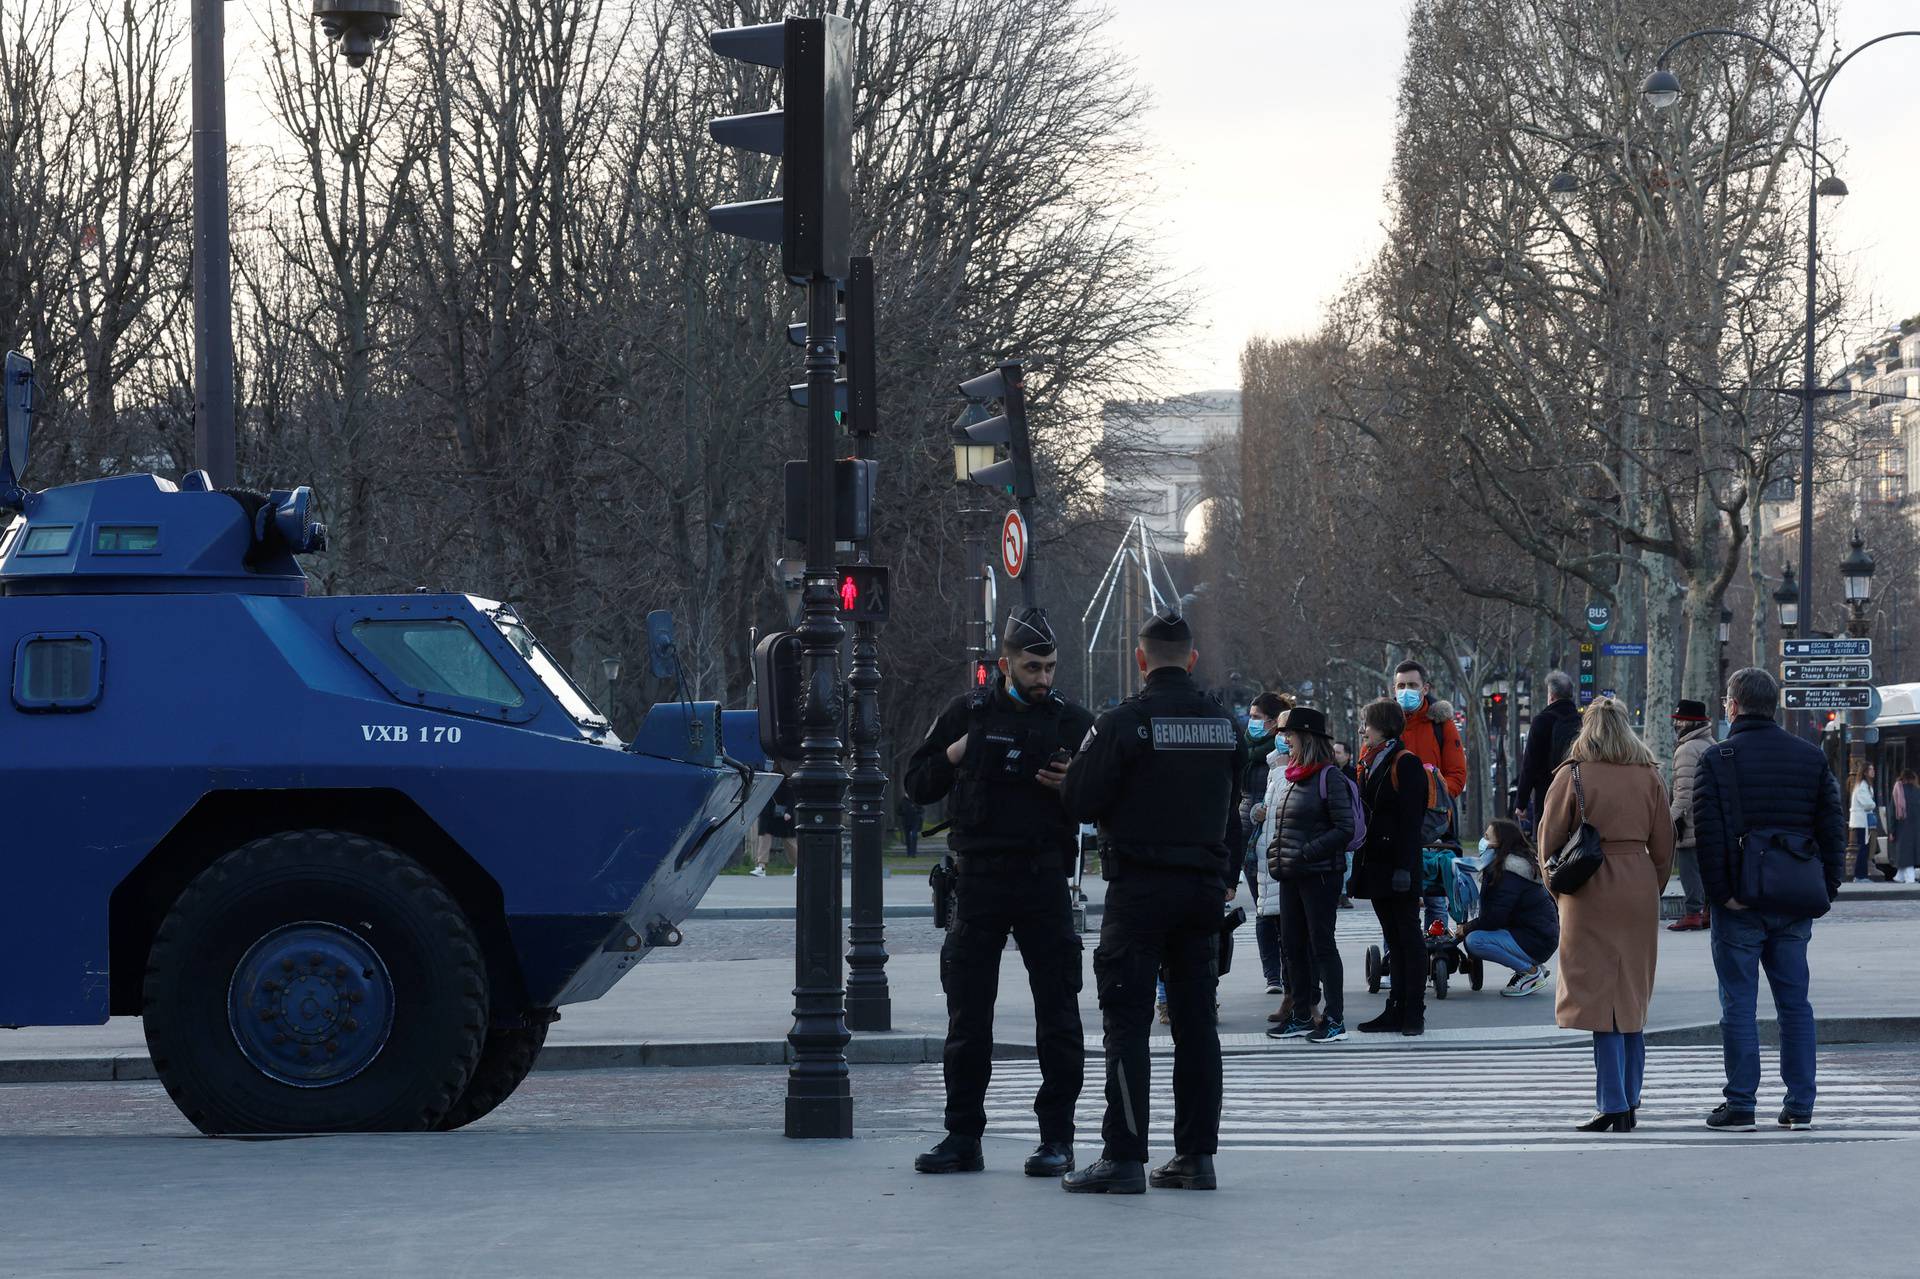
1277,788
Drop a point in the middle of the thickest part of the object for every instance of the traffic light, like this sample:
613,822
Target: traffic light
1008,429
776,674
864,593
982,672
853,481
812,219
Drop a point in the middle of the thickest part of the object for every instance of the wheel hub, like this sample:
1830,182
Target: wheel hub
310,1004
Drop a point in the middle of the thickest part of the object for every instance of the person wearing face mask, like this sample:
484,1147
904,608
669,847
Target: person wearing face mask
1518,926
1433,738
1393,789
1001,755
1266,748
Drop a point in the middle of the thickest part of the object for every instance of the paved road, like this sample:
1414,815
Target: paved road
671,1170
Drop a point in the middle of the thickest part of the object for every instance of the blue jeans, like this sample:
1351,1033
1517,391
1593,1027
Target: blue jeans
1744,942
1619,1064
1498,945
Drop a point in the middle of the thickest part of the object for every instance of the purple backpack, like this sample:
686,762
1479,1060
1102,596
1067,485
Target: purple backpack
1353,797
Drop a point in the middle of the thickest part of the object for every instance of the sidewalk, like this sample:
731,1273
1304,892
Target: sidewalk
737,1012
908,897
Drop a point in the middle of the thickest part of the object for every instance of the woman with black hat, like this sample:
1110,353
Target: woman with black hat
1312,827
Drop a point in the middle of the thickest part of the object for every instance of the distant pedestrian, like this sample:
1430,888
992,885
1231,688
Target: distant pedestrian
1906,828
1694,733
1313,822
1772,846
1432,737
1518,926
1386,869
1265,749
1610,925
911,815
1861,820
777,826
1343,760
1548,738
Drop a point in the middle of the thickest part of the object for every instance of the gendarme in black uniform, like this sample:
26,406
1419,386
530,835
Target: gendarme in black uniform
1160,773
1014,848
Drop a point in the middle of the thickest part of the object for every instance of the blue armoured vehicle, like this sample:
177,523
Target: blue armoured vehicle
345,855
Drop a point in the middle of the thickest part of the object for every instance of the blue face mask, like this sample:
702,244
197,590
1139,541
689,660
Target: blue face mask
1256,729
1485,846
1408,698
1280,744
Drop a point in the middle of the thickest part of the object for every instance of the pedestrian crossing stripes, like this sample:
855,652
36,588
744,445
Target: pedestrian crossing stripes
1348,1097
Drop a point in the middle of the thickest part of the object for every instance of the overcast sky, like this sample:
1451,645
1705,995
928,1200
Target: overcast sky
1273,124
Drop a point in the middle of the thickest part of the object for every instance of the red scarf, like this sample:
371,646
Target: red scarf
1297,773
1370,753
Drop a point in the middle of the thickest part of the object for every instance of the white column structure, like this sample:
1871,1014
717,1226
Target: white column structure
1168,493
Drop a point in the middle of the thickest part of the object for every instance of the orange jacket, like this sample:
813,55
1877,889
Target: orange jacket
1434,740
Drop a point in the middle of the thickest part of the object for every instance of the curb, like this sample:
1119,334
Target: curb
909,1050
1898,893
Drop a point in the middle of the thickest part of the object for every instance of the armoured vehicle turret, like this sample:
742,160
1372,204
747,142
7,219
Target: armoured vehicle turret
345,855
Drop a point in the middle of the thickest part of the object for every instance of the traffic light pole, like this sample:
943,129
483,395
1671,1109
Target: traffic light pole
869,1003
213,439
819,1096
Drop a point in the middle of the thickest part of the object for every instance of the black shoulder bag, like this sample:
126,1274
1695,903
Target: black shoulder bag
1777,869
1574,864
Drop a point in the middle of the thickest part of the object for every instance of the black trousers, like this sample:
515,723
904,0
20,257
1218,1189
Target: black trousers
1399,915
1160,921
1033,906
1308,908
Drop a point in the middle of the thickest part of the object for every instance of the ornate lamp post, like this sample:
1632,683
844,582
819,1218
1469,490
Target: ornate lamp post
1662,90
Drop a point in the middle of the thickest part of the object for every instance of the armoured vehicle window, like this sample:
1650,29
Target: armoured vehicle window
57,672
127,539
48,539
558,682
439,655
6,538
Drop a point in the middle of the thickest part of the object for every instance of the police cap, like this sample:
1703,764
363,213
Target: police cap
1028,631
1167,627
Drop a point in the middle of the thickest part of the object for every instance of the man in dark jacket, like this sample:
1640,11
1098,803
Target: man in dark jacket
1001,755
1548,738
1693,734
1161,773
1785,789
1263,738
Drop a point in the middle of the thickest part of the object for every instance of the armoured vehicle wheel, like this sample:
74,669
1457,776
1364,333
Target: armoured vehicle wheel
315,981
505,1061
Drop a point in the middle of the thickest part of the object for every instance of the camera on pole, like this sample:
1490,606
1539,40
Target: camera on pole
811,221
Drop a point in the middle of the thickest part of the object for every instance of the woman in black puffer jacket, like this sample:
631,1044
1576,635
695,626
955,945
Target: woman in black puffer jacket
1313,824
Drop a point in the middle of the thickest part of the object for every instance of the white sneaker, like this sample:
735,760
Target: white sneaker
758,872
1275,988
1528,983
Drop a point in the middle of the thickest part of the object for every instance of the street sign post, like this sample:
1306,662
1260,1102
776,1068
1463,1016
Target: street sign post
1828,699
1826,648
1624,650
1013,543
1827,672
1588,673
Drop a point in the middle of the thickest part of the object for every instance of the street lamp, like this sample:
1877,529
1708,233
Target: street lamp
1662,90
358,25
1787,599
1856,571
610,667
1726,633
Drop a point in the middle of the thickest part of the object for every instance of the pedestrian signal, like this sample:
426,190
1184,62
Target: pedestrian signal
864,596
982,672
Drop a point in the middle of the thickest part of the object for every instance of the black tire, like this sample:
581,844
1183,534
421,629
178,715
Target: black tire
1476,973
505,1061
1440,975
408,1026
1373,970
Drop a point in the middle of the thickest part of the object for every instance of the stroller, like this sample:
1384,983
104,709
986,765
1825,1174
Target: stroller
1443,872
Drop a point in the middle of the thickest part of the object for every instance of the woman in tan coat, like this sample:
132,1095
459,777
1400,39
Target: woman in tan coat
1610,927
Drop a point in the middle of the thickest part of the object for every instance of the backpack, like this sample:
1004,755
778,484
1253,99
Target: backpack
1436,826
1353,798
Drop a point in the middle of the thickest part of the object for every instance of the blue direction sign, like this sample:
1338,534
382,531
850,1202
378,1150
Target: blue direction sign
1826,648
1624,650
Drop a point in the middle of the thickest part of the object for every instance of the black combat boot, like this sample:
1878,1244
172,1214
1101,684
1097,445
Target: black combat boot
1185,1172
1108,1177
954,1154
1050,1159
1387,1022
